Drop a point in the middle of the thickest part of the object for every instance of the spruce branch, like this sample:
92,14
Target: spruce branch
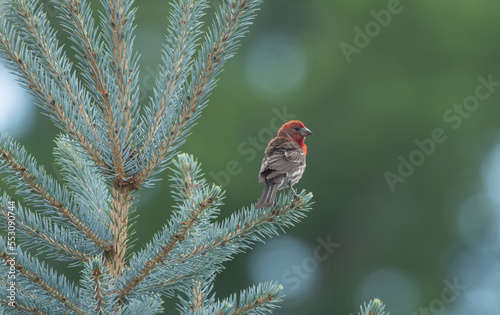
24,302
119,228
231,24
255,300
41,38
203,249
96,286
96,66
89,187
117,22
246,227
97,290
46,236
59,106
78,22
46,195
196,203
197,297
146,305
58,292
374,307
159,258
184,33
37,32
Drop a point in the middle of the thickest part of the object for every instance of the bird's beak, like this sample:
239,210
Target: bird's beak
305,132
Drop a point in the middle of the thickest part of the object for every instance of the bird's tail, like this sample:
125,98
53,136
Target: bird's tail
268,197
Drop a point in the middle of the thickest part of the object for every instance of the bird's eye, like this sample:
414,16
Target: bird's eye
297,128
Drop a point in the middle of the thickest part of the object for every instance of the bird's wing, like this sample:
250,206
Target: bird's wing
282,157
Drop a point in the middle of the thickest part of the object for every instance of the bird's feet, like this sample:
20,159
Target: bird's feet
294,194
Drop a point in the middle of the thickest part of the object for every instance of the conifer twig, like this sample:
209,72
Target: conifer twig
79,13
39,280
119,228
119,36
261,300
99,294
203,79
198,296
161,256
34,186
33,23
50,240
42,86
184,30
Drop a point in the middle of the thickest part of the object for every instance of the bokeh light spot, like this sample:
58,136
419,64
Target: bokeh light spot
289,261
276,67
491,175
477,265
476,220
17,112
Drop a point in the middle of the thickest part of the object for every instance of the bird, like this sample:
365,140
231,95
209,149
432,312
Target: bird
284,162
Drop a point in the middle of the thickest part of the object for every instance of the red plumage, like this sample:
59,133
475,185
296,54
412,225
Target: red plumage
284,162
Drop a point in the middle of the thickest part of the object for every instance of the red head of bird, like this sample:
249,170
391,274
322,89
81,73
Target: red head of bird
296,131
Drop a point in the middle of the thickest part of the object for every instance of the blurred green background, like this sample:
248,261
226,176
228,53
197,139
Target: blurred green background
424,242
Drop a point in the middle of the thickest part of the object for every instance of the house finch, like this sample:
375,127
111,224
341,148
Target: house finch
284,162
